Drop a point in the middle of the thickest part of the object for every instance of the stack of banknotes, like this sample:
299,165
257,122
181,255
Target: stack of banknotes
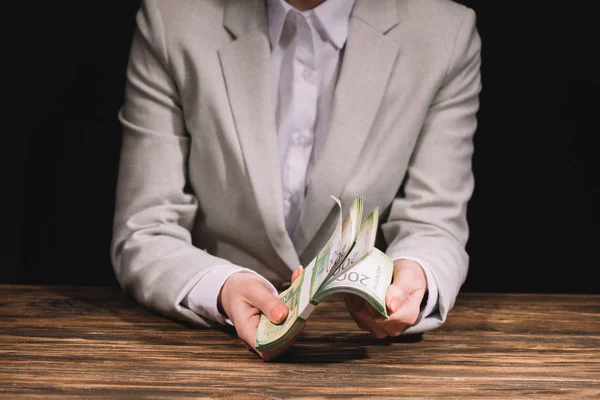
349,262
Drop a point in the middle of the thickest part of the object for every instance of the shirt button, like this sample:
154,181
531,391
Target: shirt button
303,139
307,74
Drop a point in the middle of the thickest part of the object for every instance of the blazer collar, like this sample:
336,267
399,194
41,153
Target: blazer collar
368,60
381,15
246,66
332,18
243,16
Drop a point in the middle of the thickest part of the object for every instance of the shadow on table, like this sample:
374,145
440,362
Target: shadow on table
338,348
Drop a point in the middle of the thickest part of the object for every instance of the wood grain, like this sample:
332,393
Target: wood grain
88,342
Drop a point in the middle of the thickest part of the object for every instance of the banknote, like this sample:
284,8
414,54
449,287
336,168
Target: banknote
368,278
349,262
270,335
364,244
338,246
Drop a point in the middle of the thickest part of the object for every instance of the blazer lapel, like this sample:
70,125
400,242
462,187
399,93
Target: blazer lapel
367,64
246,64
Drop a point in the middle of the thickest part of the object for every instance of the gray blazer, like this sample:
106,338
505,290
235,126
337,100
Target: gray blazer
199,183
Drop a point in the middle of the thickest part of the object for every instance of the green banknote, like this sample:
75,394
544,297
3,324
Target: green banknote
347,263
270,335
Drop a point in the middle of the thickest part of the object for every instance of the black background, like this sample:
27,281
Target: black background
533,216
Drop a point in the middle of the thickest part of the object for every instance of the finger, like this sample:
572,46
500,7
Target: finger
246,320
246,330
363,318
409,281
404,316
380,325
297,273
407,314
350,300
260,297
397,331
374,313
395,296
392,326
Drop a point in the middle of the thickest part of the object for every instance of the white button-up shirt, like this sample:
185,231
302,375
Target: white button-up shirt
306,51
305,55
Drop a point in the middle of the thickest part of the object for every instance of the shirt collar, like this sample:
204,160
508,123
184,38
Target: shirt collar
333,16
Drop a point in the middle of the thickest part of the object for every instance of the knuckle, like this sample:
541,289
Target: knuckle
273,301
266,302
393,330
245,338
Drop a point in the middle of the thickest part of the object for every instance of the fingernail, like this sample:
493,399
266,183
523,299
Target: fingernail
394,304
278,313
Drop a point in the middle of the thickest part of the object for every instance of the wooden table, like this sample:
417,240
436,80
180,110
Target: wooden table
87,342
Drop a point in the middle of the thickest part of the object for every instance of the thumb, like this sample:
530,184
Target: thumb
397,293
409,278
395,296
273,308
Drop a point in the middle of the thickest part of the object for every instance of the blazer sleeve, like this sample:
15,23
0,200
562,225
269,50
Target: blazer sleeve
428,217
151,250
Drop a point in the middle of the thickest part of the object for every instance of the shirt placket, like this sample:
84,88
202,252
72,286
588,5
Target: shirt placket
304,108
